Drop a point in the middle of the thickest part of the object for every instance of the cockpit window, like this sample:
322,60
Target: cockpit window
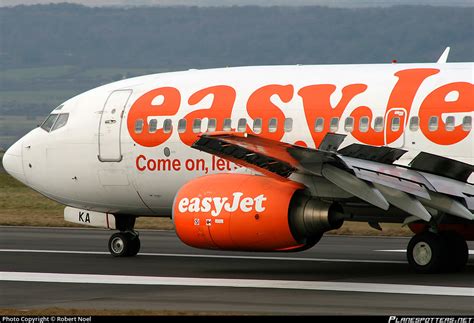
61,121
49,122
55,121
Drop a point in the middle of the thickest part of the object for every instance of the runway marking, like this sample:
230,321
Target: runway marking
209,256
471,252
242,283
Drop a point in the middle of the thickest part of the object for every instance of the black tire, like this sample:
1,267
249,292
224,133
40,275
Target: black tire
457,251
134,246
427,252
119,244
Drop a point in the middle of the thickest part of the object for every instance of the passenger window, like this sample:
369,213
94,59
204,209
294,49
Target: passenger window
288,124
319,125
272,125
364,124
349,124
433,123
49,122
334,126
242,125
395,124
197,126
414,123
450,123
211,125
152,125
167,125
227,124
181,125
61,121
257,125
139,126
467,123
378,124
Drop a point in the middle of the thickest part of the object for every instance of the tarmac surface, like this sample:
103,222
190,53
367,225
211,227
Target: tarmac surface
342,275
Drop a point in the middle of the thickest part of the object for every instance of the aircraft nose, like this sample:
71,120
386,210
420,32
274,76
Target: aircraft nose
13,161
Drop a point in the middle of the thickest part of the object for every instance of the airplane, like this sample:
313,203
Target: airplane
267,158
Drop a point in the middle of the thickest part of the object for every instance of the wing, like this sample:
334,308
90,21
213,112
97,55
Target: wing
430,184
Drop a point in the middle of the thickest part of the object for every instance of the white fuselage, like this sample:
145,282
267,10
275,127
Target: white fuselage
101,160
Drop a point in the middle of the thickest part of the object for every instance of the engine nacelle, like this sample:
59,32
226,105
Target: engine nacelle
253,213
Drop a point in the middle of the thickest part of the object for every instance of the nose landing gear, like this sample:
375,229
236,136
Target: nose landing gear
125,243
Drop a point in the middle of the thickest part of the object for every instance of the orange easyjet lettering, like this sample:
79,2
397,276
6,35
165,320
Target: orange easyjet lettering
457,97
223,98
402,95
163,101
436,103
317,104
260,106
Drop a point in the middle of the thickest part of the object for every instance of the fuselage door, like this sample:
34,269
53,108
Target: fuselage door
395,121
110,125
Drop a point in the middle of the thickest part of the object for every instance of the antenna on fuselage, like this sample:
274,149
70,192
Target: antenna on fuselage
444,57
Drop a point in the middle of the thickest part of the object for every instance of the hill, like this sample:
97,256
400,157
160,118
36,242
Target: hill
49,53
194,37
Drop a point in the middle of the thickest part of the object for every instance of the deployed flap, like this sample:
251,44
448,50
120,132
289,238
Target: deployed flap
311,160
396,177
355,186
404,202
442,166
449,205
331,142
385,155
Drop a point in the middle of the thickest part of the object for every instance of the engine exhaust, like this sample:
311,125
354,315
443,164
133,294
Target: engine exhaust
310,217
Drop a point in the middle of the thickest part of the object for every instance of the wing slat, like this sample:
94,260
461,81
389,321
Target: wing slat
384,155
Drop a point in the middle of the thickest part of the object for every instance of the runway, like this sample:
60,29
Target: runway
71,268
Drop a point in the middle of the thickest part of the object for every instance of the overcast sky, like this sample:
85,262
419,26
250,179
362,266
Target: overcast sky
331,3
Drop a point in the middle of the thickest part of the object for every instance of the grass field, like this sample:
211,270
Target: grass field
19,205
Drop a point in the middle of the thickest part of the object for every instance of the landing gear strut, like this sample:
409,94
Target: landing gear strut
125,243
430,252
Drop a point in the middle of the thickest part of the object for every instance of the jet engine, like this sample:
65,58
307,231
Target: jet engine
252,213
